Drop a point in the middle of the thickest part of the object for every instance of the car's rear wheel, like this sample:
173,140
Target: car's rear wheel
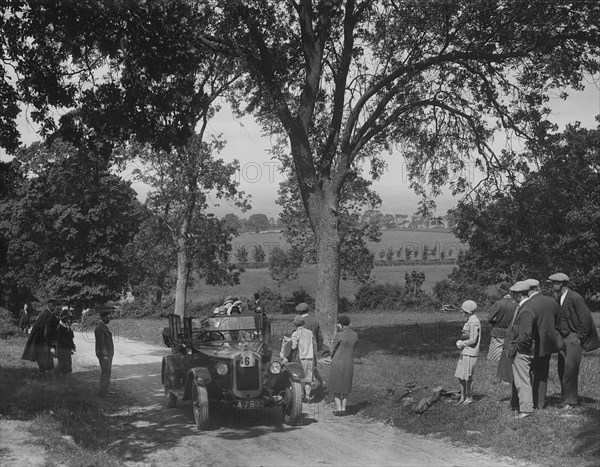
200,405
292,403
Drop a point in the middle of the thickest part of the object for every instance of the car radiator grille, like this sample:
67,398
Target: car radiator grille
248,378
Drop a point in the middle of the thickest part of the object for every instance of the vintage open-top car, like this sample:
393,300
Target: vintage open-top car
225,361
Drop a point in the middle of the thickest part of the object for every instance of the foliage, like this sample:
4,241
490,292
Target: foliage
283,264
453,293
232,222
378,297
242,255
9,325
258,254
145,309
258,222
550,222
413,282
151,260
67,230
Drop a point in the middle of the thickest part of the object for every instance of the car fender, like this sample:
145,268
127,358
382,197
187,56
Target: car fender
171,367
198,375
295,370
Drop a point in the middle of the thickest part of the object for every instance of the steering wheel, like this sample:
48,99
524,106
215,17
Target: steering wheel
206,336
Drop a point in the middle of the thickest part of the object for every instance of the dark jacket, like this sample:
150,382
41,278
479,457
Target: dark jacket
50,330
546,339
36,340
313,325
520,334
580,320
104,341
500,316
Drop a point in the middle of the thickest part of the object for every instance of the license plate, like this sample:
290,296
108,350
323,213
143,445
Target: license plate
247,359
251,404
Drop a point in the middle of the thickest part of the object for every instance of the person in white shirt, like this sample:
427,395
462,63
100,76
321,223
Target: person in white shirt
304,341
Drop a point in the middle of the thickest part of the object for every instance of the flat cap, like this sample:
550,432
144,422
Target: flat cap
558,277
532,282
302,308
520,286
469,306
105,312
504,287
343,320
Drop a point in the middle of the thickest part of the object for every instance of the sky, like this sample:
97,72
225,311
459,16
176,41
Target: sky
259,175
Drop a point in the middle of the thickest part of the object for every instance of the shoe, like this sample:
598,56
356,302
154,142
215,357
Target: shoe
524,414
337,413
343,413
468,401
460,401
568,407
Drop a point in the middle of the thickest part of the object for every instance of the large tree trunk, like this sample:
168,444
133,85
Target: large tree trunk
323,212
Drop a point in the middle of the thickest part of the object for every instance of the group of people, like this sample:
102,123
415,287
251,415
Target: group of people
527,328
305,344
52,338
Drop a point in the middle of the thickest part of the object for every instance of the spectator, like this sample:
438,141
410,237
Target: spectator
520,351
65,346
576,325
36,348
24,318
342,364
105,351
468,344
311,323
304,341
500,316
546,340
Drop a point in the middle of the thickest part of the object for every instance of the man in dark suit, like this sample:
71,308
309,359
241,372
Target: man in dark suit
576,326
105,351
546,340
36,348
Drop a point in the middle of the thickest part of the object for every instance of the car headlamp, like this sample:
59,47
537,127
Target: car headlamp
222,369
275,368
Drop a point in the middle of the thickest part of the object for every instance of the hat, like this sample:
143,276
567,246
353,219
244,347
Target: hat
52,301
520,286
558,277
104,313
298,320
532,282
504,287
302,308
343,320
469,306
237,303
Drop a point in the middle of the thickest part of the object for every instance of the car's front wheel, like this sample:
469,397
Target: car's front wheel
292,403
200,405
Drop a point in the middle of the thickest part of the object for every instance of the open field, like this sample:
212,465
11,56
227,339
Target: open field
255,279
397,239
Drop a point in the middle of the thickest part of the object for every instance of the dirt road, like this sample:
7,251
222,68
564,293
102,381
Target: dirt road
150,433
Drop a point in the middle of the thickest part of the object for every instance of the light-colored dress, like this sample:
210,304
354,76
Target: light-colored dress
469,353
342,363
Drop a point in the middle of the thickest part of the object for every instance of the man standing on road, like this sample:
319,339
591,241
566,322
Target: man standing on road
105,351
520,351
546,340
304,341
576,325
500,315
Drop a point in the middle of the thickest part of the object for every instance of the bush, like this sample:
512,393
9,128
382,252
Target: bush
9,324
142,309
378,297
449,292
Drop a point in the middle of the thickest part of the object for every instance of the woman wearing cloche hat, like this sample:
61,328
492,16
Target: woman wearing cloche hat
469,351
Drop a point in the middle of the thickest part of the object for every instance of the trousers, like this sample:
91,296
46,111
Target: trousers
105,367
540,368
569,359
522,395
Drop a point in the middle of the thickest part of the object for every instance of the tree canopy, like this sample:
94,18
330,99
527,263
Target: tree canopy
550,222
344,81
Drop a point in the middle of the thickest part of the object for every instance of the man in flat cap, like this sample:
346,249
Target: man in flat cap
105,351
576,325
546,340
36,348
520,350
500,316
